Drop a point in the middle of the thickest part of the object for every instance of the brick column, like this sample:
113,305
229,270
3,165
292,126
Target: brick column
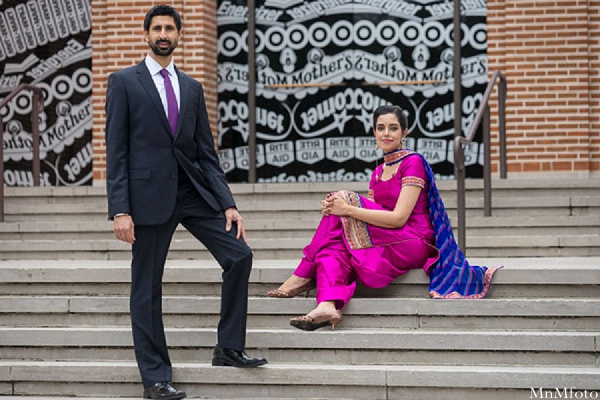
544,48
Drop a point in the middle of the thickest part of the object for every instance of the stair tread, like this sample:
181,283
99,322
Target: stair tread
257,224
514,181
109,243
365,338
313,374
190,304
533,270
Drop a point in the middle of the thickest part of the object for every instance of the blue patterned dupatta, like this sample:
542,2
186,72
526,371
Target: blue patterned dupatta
451,276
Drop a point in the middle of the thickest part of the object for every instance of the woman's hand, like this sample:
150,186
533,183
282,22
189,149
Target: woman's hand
325,204
332,204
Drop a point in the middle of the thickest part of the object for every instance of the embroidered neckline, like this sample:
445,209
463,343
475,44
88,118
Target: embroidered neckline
394,157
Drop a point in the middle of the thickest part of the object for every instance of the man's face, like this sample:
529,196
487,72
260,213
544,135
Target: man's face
163,36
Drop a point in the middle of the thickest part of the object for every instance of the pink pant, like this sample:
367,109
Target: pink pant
336,268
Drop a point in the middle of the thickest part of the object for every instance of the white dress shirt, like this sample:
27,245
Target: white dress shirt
159,81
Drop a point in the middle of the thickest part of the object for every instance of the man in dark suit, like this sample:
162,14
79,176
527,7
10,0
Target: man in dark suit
162,170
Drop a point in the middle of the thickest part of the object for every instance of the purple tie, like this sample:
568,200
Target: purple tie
171,101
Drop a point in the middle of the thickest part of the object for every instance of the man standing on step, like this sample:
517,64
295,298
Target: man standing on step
162,170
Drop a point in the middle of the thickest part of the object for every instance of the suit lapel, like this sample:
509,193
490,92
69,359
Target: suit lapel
146,80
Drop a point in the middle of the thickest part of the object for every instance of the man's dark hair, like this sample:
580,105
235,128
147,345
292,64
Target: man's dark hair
387,109
162,9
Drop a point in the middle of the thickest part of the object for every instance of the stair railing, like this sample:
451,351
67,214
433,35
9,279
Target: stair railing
37,106
483,115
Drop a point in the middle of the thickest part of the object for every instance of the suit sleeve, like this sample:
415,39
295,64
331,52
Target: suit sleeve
117,147
207,157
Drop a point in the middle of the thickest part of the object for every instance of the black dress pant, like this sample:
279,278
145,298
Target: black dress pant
149,253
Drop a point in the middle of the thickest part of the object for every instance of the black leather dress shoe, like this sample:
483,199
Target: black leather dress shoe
163,391
235,358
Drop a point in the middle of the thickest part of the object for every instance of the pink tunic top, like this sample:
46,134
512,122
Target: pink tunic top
345,250
385,194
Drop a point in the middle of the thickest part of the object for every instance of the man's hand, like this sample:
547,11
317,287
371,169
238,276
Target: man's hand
232,215
123,228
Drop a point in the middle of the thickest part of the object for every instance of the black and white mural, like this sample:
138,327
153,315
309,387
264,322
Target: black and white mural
47,43
323,66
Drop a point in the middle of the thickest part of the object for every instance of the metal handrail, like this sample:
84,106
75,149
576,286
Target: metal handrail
483,114
37,106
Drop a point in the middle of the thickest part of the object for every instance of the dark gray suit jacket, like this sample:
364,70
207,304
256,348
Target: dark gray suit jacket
142,155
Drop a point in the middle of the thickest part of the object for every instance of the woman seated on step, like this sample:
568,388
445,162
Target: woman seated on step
403,225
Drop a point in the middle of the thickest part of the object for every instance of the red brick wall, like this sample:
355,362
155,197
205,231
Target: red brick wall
594,78
549,53
548,50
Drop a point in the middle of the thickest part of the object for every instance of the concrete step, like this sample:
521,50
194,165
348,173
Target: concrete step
510,197
305,227
543,187
409,313
300,380
367,346
184,246
293,201
534,293
73,215
563,277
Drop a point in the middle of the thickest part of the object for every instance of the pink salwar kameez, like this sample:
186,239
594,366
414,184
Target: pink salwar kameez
344,250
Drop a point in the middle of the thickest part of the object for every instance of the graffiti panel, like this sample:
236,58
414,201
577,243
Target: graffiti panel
323,66
47,43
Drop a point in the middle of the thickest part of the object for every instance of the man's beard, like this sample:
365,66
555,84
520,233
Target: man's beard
162,52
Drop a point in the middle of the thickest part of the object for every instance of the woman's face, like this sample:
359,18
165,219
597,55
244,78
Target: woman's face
388,132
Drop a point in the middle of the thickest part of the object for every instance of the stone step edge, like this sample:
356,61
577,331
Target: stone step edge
210,305
531,271
113,397
28,397
512,182
565,240
365,339
551,206
496,222
516,377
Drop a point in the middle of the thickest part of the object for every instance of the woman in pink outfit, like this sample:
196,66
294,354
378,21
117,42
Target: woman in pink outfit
371,240
402,225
